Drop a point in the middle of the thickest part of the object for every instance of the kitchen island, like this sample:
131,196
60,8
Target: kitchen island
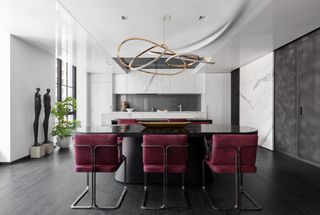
106,118
193,120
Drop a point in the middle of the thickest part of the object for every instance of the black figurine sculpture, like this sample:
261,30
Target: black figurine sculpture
47,110
37,109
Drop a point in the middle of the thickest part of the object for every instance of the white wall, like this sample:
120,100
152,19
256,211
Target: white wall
82,78
5,97
100,97
256,98
30,68
82,94
217,97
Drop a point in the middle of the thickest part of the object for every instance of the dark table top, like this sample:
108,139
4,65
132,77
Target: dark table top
204,130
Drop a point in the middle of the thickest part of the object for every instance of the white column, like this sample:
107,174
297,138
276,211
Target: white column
5,97
82,80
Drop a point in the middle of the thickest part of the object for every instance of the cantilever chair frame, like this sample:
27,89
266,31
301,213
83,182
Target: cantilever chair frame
239,188
164,205
93,181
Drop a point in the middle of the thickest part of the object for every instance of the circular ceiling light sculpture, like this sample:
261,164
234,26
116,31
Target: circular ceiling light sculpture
182,61
187,60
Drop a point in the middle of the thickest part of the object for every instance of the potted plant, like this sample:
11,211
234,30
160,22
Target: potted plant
64,128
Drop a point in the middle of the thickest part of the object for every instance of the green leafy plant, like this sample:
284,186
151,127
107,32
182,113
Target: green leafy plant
64,127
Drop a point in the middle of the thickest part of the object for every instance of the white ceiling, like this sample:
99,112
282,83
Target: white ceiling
251,28
34,21
103,19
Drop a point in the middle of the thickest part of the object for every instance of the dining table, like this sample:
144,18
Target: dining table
198,136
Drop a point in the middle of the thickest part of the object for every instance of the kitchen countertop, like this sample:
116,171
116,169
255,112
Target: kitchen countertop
158,112
115,121
162,114
191,115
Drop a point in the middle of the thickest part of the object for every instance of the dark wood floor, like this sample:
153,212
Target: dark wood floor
282,186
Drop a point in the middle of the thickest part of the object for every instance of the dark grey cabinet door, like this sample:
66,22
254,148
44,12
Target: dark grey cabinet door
309,96
285,100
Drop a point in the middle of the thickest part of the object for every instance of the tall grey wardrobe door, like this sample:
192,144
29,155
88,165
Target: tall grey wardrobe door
285,103
309,97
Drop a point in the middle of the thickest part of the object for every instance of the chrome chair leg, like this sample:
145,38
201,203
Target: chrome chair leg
165,193
204,186
239,192
145,194
74,204
165,180
249,197
145,191
203,176
123,193
184,190
94,193
183,183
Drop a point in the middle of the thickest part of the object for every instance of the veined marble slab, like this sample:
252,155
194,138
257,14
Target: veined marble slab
256,98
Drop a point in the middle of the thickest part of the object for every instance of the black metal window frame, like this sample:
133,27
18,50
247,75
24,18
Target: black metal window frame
63,86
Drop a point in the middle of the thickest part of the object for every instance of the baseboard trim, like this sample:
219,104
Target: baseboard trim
16,161
298,158
261,147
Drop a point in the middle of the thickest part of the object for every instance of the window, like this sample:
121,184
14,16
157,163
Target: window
66,83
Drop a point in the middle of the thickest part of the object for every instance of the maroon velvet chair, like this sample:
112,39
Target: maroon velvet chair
164,154
125,122
97,153
178,120
234,154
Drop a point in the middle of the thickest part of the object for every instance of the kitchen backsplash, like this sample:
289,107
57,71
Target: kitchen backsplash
147,102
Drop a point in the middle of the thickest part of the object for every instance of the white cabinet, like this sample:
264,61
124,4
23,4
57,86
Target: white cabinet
150,84
163,83
100,94
187,83
120,84
137,82
200,82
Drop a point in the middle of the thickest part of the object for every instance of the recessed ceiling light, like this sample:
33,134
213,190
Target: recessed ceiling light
124,17
166,18
203,17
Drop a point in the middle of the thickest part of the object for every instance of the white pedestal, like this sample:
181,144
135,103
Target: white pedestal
38,151
48,148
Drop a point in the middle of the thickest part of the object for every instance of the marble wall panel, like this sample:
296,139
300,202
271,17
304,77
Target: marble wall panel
256,98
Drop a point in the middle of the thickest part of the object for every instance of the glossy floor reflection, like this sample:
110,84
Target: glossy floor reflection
48,186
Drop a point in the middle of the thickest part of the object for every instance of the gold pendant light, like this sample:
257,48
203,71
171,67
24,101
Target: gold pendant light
186,60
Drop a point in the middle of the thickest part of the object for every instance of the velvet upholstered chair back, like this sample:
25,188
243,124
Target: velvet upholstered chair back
104,155
224,149
127,121
154,155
